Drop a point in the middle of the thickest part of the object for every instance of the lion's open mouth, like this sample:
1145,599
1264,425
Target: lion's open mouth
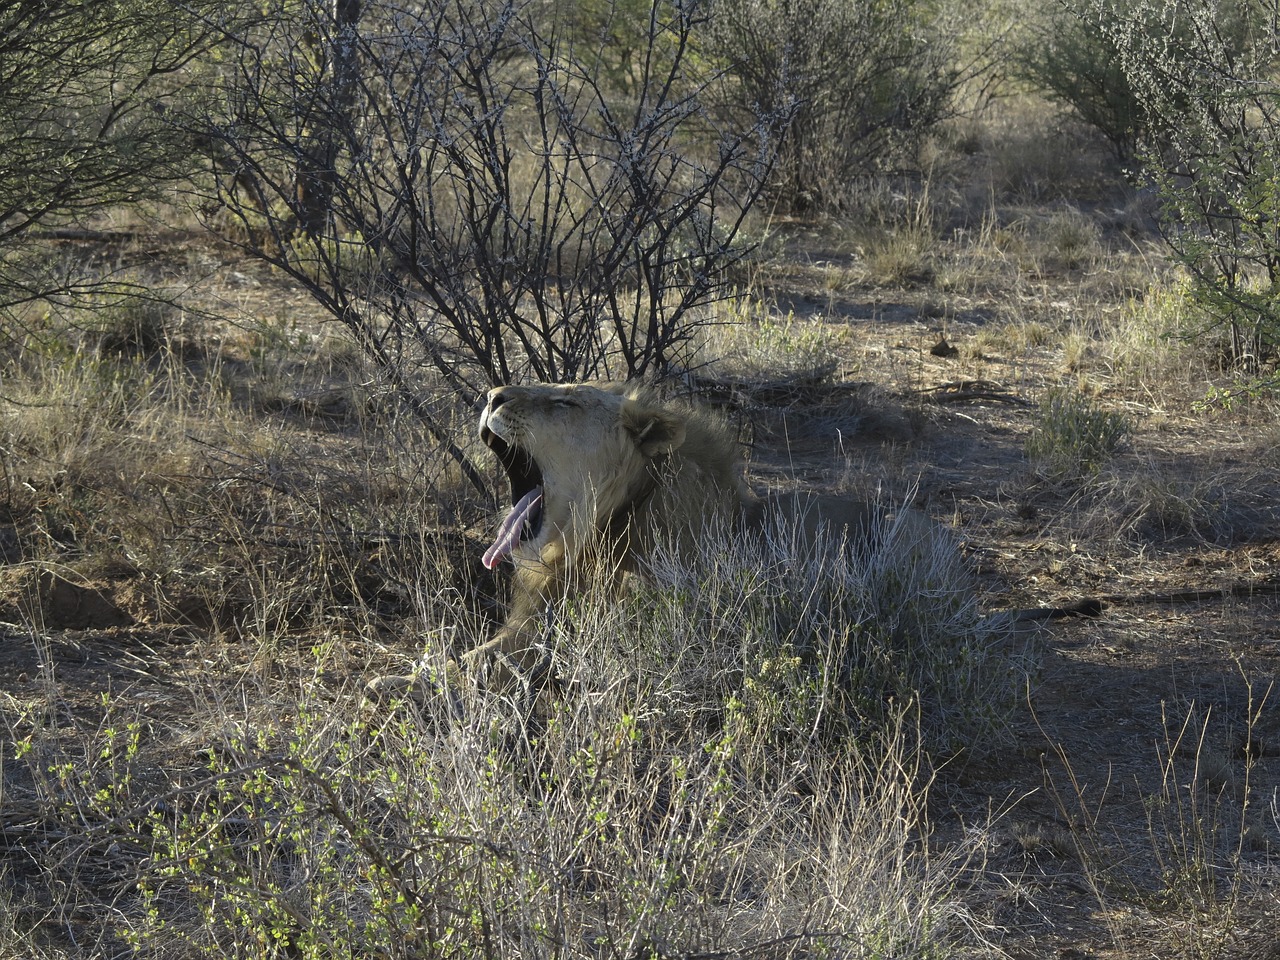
524,522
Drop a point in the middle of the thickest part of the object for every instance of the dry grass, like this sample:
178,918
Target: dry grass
745,759
1194,866
676,797
749,341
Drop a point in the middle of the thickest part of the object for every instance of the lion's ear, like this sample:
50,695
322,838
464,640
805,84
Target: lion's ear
655,431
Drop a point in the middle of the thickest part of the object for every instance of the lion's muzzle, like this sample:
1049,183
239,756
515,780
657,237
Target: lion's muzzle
524,522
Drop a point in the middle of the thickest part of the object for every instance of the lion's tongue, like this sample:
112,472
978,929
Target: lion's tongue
509,533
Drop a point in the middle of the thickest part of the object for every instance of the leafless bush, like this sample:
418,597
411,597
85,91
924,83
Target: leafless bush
462,194
869,81
79,88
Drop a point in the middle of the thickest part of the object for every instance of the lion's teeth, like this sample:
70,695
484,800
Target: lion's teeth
512,527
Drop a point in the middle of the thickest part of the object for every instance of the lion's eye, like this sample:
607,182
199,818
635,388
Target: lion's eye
566,402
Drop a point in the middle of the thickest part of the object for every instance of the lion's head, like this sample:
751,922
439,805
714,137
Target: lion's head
594,460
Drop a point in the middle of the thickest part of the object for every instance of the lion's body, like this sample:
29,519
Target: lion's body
603,472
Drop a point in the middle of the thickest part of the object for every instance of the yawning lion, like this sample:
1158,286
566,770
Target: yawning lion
602,472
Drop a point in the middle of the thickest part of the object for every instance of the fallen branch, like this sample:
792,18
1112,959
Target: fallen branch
1261,588
971,391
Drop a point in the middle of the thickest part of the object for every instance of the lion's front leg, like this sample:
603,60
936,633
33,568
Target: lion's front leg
420,685
507,662
514,656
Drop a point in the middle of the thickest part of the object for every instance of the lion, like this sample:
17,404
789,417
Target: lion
603,473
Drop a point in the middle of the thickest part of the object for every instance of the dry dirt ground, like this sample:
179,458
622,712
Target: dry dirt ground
1165,699
1147,766
1156,719
1146,776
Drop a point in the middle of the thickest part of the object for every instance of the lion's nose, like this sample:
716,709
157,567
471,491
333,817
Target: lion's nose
497,397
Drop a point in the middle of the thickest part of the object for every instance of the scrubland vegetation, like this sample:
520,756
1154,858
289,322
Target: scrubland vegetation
1015,267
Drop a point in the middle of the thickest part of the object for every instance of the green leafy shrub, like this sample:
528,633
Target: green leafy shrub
1204,73
1061,53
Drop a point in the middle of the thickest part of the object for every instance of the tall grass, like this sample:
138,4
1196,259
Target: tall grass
736,760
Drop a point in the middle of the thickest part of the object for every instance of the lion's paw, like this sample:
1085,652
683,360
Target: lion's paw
406,686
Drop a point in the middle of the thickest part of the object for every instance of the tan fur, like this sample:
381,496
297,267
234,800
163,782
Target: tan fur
622,470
